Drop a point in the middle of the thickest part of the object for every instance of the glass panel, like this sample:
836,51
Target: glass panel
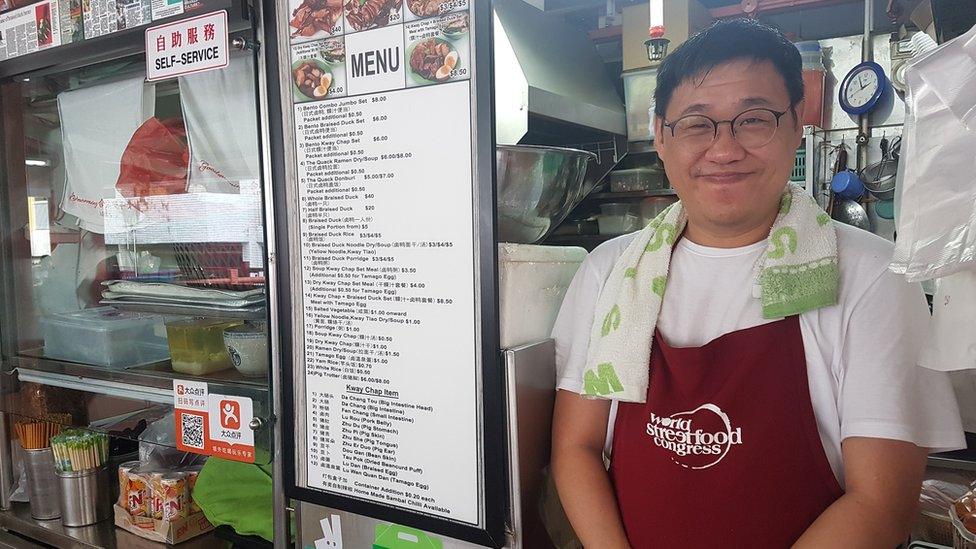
137,214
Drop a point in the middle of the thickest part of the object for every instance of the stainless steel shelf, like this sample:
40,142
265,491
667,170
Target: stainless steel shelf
606,197
951,463
641,147
103,535
152,383
586,241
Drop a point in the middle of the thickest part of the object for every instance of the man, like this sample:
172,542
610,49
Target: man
782,404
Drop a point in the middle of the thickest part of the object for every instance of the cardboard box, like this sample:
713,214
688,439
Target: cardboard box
171,532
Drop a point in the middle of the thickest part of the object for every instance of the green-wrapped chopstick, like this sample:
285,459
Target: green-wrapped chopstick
79,450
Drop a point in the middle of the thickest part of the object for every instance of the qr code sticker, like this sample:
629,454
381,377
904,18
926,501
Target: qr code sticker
191,426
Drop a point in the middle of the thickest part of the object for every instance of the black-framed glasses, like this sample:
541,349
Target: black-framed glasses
752,128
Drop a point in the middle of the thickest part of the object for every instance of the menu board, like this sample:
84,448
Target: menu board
390,398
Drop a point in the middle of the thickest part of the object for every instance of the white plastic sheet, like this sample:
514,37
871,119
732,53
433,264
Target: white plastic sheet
220,111
937,174
951,344
96,125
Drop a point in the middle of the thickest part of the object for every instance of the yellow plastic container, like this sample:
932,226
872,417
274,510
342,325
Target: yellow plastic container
196,346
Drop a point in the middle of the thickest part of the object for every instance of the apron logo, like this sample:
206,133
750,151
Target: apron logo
698,439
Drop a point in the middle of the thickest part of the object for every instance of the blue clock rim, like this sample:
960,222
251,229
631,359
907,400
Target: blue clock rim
871,103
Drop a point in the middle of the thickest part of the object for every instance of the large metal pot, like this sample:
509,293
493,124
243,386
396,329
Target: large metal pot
537,188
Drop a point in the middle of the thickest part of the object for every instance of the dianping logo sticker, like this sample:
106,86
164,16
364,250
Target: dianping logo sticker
698,439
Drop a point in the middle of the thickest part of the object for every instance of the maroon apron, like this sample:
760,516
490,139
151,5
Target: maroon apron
726,452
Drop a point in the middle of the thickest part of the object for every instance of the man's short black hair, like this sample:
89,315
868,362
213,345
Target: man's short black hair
728,40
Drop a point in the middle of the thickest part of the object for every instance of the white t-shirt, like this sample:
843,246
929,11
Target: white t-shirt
861,353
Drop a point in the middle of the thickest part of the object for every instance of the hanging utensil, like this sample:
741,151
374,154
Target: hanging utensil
845,184
879,178
851,213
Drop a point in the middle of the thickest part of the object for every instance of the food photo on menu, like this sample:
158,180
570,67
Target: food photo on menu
425,8
454,26
318,70
313,19
312,79
438,49
369,14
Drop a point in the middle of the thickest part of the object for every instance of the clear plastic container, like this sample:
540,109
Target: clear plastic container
617,218
651,207
616,209
104,336
197,345
814,78
637,179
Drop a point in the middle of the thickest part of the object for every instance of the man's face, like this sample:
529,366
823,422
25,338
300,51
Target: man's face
728,189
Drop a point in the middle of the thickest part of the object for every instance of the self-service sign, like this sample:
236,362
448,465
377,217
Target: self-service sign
212,424
187,46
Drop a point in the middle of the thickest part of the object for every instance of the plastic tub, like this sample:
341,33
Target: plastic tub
616,209
653,206
637,179
104,336
247,346
197,345
961,537
532,281
814,78
617,218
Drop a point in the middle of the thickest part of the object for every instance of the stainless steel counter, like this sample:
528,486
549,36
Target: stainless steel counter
102,535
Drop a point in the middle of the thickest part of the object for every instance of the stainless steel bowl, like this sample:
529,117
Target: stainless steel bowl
537,188
852,213
879,178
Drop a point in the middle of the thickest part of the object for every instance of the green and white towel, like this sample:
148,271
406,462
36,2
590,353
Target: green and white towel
797,273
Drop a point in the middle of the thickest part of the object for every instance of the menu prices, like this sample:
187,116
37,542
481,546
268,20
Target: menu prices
388,280
333,59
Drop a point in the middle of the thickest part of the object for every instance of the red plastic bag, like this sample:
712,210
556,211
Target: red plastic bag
156,161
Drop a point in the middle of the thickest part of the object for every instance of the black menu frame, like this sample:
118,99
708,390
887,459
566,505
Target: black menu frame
494,459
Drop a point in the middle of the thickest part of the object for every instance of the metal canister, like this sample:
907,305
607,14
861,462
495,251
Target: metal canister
123,488
86,496
174,492
42,484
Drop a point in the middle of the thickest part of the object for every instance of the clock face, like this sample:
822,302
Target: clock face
861,87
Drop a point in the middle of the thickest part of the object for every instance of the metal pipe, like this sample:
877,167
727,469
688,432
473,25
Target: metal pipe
281,523
6,465
867,51
867,54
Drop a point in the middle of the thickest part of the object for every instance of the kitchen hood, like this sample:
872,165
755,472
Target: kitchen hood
545,68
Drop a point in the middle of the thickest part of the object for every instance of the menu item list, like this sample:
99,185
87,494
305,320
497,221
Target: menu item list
387,237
